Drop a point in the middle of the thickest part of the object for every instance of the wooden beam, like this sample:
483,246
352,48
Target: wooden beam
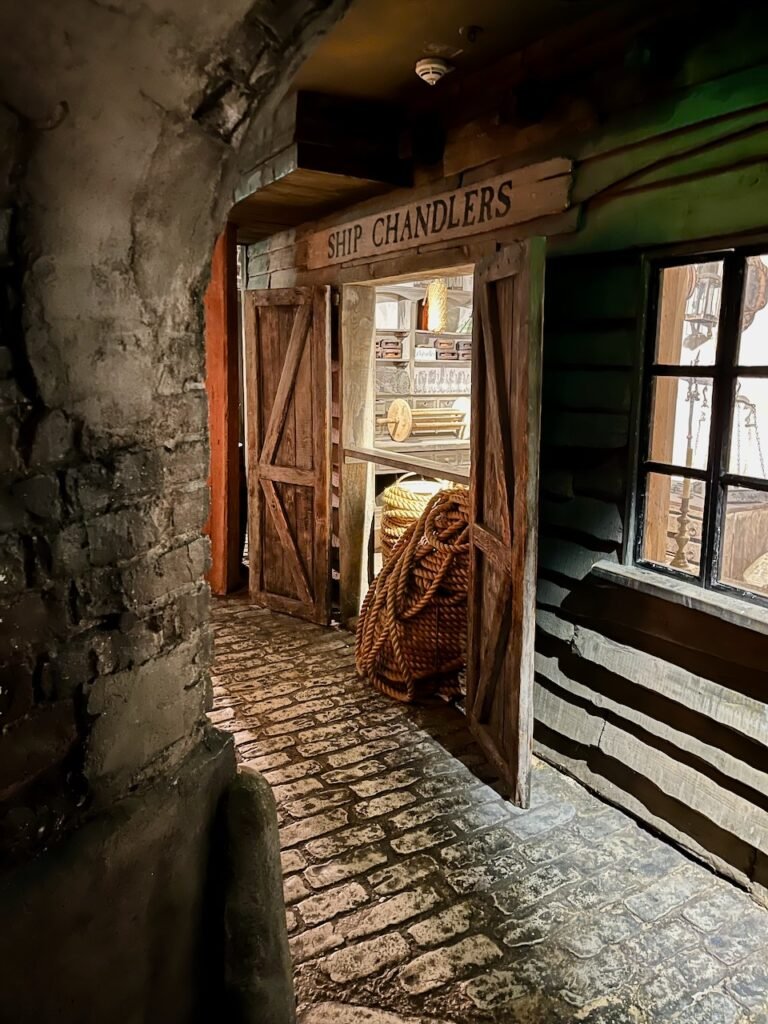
407,464
358,319
222,385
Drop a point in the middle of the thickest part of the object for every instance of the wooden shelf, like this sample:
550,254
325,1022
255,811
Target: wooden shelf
442,334
424,394
404,463
441,362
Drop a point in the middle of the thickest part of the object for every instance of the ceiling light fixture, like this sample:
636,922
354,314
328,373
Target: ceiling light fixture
432,69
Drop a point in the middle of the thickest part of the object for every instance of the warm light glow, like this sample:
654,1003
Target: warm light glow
437,305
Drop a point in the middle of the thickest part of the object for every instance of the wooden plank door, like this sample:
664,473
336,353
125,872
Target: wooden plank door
287,365
506,403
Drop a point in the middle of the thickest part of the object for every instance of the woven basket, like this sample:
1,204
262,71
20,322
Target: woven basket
412,632
401,505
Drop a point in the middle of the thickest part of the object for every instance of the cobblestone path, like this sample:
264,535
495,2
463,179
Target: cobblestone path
417,894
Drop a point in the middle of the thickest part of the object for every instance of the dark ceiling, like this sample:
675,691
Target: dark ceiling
372,51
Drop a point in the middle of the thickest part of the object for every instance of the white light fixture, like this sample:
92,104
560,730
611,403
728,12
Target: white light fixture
432,69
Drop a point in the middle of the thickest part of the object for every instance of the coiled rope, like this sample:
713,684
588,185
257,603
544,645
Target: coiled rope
401,505
411,636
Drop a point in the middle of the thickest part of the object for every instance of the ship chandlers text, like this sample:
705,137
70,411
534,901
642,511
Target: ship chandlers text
464,209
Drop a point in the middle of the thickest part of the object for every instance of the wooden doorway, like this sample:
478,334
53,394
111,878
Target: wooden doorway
506,406
287,370
288,405
504,452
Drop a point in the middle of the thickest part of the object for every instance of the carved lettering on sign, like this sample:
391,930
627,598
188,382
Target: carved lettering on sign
512,198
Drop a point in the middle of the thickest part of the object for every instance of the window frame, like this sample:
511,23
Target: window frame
723,375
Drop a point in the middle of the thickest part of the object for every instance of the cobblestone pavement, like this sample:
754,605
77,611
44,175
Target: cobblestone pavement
416,894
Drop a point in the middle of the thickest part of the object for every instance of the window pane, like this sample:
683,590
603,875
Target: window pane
744,557
749,434
674,509
681,413
689,312
753,346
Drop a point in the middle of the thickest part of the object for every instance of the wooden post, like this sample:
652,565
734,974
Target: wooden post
358,321
669,342
222,384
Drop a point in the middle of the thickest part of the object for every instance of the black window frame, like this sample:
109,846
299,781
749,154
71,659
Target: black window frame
723,374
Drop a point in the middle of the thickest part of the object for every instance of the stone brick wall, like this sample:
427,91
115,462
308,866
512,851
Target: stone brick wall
135,126
123,130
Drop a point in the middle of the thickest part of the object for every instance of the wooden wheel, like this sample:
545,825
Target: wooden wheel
399,420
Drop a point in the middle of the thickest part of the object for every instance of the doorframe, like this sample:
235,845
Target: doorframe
357,455
222,383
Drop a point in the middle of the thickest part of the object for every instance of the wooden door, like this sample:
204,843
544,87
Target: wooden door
287,365
506,402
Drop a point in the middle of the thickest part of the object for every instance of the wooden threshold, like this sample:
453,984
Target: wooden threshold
407,464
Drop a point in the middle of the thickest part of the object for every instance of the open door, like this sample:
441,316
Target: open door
506,402
287,367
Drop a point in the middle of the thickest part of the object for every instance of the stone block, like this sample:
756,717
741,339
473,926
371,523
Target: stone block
317,804
447,925
321,875
671,892
389,913
35,743
385,804
119,536
440,966
346,1013
749,982
363,959
329,904
141,714
423,839
310,828
54,439
402,873
39,495
13,577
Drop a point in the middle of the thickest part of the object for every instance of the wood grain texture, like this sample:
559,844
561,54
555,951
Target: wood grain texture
498,202
506,397
222,385
287,343
659,707
358,320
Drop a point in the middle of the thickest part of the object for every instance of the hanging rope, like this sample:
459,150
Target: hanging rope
411,636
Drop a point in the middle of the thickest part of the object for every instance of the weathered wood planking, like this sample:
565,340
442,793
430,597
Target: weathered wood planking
658,707
499,202
287,349
358,321
633,776
222,385
506,401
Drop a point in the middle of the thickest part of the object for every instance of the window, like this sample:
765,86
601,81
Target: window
702,498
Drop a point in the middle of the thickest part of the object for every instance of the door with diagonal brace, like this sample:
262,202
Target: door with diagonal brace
287,371
506,402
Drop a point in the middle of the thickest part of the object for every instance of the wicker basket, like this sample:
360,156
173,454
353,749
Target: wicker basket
411,636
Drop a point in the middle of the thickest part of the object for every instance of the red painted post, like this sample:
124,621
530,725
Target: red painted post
221,372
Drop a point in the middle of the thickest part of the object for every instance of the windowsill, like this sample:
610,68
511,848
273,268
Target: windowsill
721,606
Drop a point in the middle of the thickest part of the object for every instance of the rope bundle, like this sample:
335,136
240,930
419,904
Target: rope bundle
401,505
411,636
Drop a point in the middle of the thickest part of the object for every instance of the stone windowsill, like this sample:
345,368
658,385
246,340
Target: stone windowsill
722,606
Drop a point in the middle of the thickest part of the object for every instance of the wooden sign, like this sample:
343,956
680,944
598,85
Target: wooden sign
499,202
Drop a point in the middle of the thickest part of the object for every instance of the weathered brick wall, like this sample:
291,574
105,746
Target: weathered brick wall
116,168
